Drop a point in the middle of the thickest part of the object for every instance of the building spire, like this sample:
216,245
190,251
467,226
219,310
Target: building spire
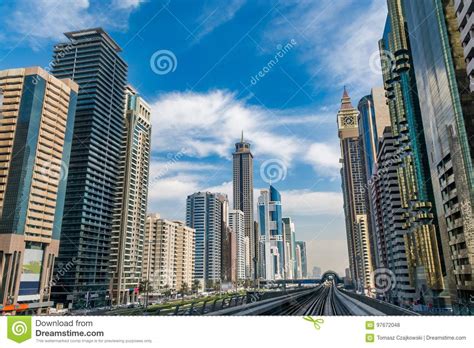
346,102
242,137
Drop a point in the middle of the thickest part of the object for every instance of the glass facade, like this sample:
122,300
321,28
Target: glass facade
92,60
447,107
420,225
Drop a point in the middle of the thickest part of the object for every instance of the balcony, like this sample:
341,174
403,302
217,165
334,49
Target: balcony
469,49
466,32
465,10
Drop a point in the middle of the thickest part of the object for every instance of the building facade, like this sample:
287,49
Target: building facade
243,199
168,254
465,24
374,116
236,223
447,108
228,246
128,231
388,221
304,259
271,258
355,195
204,214
422,234
36,121
289,235
92,60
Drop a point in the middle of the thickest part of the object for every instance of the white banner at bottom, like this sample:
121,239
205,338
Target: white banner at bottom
209,332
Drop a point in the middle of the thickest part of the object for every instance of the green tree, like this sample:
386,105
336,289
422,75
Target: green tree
196,285
184,289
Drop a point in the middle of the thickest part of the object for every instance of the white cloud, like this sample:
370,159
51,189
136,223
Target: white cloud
336,39
324,158
35,22
208,124
311,203
215,15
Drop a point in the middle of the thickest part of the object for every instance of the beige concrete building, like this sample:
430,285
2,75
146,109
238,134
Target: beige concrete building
36,123
355,199
128,230
168,260
184,256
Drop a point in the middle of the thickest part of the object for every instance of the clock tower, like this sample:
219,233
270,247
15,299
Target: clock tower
347,117
355,196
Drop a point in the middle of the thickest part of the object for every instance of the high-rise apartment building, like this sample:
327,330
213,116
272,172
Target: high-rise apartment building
388,221
447,108
289,236
243,199
36,121
204,214
228,245
128,231
355,195
465,23
271,260
422,237
168,254
92,60
304,259
236,223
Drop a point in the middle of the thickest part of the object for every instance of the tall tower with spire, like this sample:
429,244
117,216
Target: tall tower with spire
243,200
355,196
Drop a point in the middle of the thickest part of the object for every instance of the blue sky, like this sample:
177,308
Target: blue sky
201,106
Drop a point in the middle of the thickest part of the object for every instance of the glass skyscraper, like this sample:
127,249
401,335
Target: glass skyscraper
204,213
91,58
422,238
36,122
447,108
373,118
271,258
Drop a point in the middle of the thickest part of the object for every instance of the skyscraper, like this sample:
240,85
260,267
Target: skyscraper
289,236
243,198
304,259
422,239
388,220
92,60
374,116
228,245
236,222
204,214
355,195
464,10
36,121
271,261
129,221
447,109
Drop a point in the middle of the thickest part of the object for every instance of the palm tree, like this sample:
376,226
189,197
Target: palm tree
196,285
184,288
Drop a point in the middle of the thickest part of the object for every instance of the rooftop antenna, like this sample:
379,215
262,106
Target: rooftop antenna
242,137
